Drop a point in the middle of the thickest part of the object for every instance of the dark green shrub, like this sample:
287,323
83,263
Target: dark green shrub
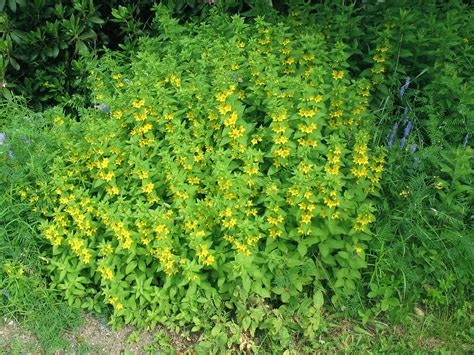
44,43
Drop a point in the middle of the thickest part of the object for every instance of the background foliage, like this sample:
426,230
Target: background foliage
423,234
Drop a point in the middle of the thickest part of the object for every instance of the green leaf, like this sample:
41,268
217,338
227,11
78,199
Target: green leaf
216,330
142,265
12,5
14,64
130,267
7,94
324,250
88,35
302,249
96,20
318,299
335,244
81,47
404,53
246,283
17,36
2,5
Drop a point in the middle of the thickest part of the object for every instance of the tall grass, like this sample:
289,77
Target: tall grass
25,296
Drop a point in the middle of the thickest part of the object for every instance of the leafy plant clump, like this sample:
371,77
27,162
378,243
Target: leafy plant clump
25,296
225,176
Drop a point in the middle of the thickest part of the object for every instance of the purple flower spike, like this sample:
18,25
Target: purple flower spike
404,87
466,140
3,138
391,135
25,140
10,154
103,107
406,132
413,148
408,129
416,162
402,142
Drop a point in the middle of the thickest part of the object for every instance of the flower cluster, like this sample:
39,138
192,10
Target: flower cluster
198,181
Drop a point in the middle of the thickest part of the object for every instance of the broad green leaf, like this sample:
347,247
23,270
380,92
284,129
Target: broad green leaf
12,5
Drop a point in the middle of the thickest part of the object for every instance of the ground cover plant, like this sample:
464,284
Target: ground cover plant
255,185
221,181
26,296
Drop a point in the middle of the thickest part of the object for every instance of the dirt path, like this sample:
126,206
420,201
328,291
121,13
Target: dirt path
94,336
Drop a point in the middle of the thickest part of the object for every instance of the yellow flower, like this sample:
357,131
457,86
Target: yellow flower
332,169
147,127
306,218
306,113
237,132
142,174
139,117
148,188
86,256
305,168
139,103
275,232
439,186
307,128
203,252
331,202
256,140
106,272
359,172
361,159
279,118
209,260
377,168
112,190
378,58
58,121
280,140
337,75
229,223
279,129
335,215
193,180
107,177
127,243
230,121
335,159
242,249
223,109
282,152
